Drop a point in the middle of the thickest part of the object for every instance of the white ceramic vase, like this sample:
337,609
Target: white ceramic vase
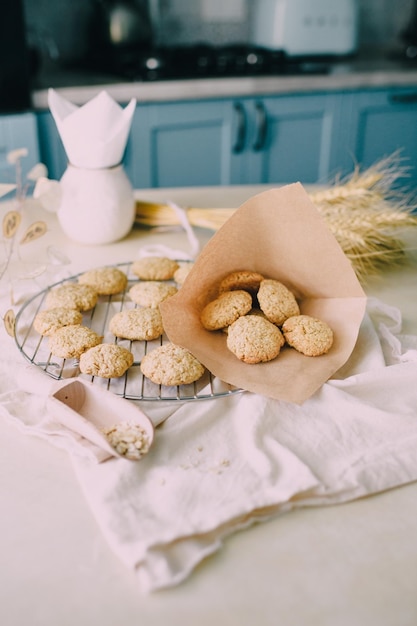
97,205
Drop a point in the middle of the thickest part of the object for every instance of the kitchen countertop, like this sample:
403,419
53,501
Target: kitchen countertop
369,69
293,570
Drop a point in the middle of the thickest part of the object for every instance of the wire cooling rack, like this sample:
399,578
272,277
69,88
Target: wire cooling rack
132,385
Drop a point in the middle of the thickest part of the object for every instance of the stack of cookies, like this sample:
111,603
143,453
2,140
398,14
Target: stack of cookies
167,365
260,315
62,322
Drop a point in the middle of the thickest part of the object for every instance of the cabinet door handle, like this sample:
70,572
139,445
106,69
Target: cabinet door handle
241,128
261,127
403,98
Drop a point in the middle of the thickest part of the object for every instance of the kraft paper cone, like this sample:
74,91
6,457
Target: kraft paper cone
280,234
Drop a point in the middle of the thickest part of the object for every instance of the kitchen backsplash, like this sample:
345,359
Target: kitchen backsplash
59,30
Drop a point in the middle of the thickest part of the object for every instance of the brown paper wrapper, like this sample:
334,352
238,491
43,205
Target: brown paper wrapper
280,234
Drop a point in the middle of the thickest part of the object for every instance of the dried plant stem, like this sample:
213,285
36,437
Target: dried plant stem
365,212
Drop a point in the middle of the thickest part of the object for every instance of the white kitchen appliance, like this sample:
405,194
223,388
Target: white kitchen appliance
306,27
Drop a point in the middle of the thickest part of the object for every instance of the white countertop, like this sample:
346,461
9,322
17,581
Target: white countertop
369,69
57,569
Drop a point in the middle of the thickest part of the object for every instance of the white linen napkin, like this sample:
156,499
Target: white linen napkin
220,465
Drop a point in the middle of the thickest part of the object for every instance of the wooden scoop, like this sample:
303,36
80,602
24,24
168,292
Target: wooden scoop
89,410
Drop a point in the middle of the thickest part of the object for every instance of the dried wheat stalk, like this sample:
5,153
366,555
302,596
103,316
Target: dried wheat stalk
366,212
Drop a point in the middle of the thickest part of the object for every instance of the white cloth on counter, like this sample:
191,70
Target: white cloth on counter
220,465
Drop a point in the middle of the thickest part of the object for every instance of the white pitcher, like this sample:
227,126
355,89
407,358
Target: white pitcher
97,206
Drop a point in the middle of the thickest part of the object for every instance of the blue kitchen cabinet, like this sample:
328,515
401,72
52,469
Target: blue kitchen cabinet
180,144
232,141
50,145
169,145
380,123
319,138
291,138
18,131
270,139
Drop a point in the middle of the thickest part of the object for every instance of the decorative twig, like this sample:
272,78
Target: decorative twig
366,211
13,218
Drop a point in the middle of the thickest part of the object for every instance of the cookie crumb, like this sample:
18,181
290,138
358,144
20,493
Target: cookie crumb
128,439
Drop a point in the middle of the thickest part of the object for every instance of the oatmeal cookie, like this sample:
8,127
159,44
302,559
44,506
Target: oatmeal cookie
253,311
48,321
106,360
225,309
308,335
151,293
182,272
72,296
105,280
277,301
253,339
243,279
71,341
142,324
154,268
171,365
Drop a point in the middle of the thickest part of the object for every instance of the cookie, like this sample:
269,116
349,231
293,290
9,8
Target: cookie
254,311
107,360
243,279
142,324
277,301
105,280
71,341
48,321
154,268
171,365
225,309
182,272
308,335
151,293
72,296
253,339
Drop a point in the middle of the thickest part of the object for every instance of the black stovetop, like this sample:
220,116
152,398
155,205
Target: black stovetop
202,61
